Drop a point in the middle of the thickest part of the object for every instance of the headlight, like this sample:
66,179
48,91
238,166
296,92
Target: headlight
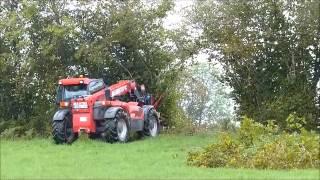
64,104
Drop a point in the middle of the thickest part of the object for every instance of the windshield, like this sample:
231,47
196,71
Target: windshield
74,91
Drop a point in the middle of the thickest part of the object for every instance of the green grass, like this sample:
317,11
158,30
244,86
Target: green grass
163,157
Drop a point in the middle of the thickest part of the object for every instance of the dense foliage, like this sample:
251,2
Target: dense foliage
258,146
270,51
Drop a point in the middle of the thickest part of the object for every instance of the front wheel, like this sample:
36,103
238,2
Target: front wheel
62,131
118,128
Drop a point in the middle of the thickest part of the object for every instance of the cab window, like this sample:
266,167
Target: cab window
96,86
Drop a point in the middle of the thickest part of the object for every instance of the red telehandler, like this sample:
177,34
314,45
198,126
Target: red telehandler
109,112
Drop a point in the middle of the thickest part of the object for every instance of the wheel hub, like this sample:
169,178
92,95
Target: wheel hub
153,127
122,130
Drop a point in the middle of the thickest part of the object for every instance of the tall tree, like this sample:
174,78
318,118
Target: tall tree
270,52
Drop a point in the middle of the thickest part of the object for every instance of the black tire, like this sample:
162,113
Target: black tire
62,131
117,129
151,125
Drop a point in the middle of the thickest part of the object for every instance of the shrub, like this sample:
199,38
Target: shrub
12,133
250,131
34,126
216,155
289,151
258,146
295,123
173,116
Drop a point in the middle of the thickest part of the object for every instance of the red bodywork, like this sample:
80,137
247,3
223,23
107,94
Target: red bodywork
83,118
74,81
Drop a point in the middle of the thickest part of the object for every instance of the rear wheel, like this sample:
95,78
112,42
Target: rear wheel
62,131
118,128
151,126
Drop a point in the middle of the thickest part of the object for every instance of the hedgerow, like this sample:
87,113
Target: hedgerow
265,147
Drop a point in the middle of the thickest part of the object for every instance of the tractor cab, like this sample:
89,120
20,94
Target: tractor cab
75,88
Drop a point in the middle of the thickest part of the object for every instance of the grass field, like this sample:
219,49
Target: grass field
163,157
